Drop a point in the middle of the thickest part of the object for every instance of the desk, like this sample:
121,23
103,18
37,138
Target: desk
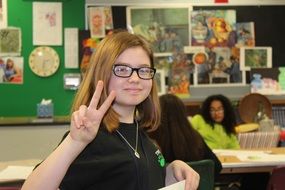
15,181
250,161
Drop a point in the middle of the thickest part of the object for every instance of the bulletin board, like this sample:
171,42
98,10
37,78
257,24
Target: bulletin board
268,19
21,100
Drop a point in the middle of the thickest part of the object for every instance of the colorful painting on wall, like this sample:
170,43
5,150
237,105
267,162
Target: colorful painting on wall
166,32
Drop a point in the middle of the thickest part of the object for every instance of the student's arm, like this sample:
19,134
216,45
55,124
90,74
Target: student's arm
84,126
178,171
49,174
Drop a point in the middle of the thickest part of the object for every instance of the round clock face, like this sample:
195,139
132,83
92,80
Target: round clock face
44,61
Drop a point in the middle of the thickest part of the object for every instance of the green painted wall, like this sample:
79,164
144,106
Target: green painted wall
21,100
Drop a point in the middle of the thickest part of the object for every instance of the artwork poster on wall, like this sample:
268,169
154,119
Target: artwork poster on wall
47,23
167,33
11,41
3,14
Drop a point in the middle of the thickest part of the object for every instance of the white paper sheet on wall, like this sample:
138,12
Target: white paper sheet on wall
47,23
71,48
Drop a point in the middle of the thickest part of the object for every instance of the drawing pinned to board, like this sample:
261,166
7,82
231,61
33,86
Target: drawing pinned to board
47,23
10,43
100,21
3,13
97,22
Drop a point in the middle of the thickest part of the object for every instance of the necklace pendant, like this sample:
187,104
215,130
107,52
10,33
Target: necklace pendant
137,154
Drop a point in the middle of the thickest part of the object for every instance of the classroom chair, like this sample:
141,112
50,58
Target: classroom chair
205,168
277,179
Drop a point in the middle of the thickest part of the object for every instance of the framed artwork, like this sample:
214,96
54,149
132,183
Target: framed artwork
97,22
220,67
11,42
166,28
212,28
160,81
245,34
100,19
3,13
47,23
163,61
255,57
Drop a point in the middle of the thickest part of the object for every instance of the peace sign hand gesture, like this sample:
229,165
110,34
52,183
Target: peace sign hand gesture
85,122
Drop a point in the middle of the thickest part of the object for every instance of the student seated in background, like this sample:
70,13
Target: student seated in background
107,147
216,123
176,137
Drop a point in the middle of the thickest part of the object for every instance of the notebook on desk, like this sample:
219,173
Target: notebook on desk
16,171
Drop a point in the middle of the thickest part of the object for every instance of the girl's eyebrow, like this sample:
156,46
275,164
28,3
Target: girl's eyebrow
127,64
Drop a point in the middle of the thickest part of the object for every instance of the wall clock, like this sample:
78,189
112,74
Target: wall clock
44,61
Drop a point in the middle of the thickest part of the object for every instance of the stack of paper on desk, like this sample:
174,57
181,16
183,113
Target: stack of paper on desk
12,173
252,155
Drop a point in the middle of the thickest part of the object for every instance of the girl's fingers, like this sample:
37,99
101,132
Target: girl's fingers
75,119
96,96
82,112
107,103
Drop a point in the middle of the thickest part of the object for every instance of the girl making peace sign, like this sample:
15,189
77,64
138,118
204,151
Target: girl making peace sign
107,147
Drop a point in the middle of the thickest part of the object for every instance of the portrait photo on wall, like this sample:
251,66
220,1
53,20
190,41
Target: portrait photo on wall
3,13
255,57
100,21
166,32
11,70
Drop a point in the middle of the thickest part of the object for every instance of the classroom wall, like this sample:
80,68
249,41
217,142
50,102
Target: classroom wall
21,100
29,142
36,141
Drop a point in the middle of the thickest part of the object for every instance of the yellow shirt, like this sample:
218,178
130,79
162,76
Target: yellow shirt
215,137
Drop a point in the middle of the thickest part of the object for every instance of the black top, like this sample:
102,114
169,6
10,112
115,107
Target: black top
109,163
208,154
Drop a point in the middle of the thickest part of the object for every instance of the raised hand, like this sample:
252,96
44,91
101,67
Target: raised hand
85,122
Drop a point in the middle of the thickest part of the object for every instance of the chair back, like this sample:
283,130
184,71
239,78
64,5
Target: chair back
277,179
205,168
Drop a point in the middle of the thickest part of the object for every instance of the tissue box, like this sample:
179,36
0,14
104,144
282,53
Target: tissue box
44,111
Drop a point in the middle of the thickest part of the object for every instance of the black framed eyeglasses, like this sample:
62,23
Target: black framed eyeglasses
125,71
218,111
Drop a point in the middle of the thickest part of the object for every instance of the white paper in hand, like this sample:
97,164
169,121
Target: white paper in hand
176,186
